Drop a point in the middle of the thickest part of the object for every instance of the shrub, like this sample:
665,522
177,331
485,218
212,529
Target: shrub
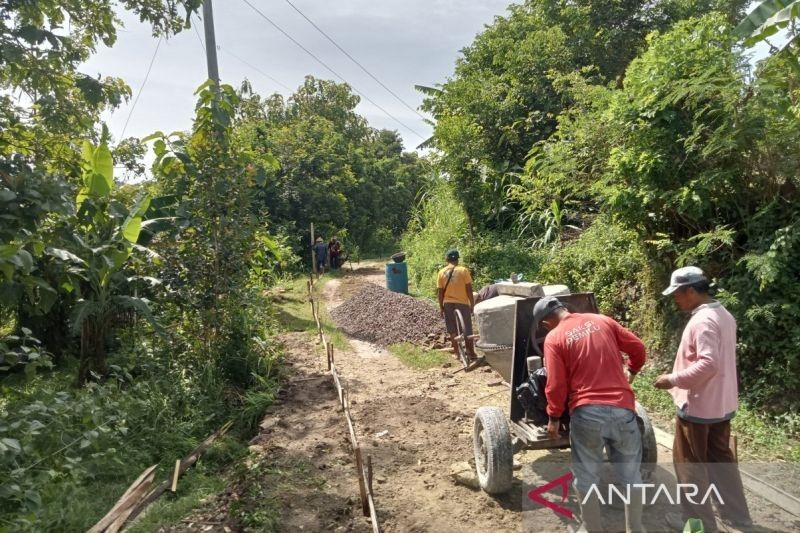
495,256
610,261
438,222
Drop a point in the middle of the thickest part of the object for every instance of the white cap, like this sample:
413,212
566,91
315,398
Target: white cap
683,277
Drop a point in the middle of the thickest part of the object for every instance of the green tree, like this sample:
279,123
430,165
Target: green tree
501,99
769,18
698,161
212,178
335,170
46,107
104,239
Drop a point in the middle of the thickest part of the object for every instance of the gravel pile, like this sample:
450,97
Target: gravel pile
376,315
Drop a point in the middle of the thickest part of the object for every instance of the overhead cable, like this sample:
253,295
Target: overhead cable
225,50
354,60
139,93
321,62
242,60
197,32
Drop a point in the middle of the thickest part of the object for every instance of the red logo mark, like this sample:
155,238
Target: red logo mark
537,495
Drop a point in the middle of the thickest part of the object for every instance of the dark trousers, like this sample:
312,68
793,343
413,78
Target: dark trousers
702,455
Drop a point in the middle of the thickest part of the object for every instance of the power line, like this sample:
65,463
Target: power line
321,62
226,51
202,43
242,61
138,94
362,67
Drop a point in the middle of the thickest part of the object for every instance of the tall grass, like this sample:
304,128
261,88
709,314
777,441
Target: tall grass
438,222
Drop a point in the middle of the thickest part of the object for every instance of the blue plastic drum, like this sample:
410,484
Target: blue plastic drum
397,277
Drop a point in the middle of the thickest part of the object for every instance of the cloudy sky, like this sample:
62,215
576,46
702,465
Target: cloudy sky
402,42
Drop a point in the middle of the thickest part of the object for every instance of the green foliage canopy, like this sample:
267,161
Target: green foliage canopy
335,171
502,97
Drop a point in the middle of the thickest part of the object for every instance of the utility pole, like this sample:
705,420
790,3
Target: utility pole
211,42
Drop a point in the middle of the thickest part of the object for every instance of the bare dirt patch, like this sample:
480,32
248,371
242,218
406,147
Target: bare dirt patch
300,474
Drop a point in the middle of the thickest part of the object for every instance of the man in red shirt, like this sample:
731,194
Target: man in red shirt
584,368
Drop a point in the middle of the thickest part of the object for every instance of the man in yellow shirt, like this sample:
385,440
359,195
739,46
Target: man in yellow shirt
455,293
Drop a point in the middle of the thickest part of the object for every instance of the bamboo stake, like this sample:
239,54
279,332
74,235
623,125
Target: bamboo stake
127,500
362,488
369,472
337,383
186,463
313,253
175,475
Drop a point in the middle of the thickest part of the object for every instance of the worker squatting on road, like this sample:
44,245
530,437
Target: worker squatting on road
585,376
704,387
455,294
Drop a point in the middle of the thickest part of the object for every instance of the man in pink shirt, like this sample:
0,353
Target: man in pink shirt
703,384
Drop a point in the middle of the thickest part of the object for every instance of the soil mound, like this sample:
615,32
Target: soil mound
377,315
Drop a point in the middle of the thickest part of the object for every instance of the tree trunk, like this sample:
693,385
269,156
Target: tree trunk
93,350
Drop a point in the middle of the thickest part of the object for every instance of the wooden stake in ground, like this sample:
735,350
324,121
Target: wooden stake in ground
362,487
175,475
369,472
313,252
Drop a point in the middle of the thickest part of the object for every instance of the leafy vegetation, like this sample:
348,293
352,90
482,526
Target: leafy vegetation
349,179
761,438
599,144
768,19
605,167
503,97
135,319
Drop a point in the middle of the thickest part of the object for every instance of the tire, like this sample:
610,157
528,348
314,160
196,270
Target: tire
462,342
649,445
494,455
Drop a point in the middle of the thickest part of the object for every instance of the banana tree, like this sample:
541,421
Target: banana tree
105,240
769,18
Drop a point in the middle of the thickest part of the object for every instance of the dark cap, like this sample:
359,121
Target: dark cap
545,307
451,254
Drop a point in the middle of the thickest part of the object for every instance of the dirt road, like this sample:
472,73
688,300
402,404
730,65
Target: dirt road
415,424
428,416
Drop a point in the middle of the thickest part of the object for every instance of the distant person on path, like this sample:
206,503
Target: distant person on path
334,248
704,387
585,374
320,251
455,294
